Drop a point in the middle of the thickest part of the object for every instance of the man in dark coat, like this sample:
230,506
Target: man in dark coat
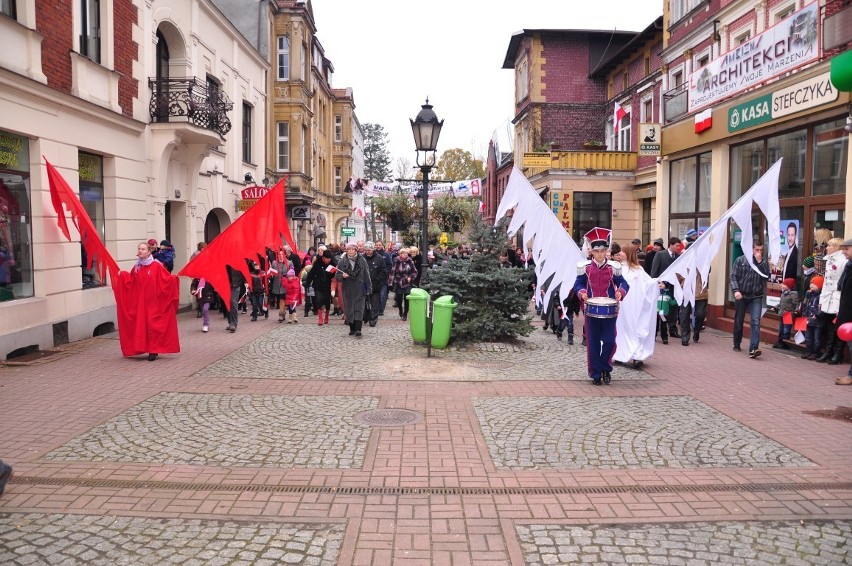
378,278
844,312
662,260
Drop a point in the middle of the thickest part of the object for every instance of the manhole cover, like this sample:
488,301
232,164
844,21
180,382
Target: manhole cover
840,413
388,417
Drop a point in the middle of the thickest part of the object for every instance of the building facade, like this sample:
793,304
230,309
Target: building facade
146,117
747,83
314,127
561,121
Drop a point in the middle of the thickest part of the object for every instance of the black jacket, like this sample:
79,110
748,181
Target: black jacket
844,312
662,261
745,280
378,271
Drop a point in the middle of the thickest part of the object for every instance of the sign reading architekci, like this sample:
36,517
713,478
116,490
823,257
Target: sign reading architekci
810,93
789,44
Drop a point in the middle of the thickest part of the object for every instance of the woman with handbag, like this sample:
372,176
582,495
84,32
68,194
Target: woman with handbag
354,276
401,280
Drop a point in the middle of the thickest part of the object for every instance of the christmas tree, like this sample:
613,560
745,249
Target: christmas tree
493,300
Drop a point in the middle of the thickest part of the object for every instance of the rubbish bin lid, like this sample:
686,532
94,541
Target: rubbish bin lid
446,300
418,292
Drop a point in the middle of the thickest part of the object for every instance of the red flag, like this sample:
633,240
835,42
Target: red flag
260,227
618,114
61,193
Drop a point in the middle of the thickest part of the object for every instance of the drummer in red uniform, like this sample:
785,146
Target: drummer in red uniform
598,277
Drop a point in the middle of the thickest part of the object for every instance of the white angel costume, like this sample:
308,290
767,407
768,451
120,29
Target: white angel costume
637,317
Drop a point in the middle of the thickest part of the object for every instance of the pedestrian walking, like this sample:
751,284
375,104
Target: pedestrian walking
320,278
354,275
379,280
401,279
293,288
749,286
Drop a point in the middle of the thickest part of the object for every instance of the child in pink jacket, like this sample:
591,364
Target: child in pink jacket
293,285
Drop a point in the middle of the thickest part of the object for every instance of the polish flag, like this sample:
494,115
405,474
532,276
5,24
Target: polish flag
618,114
481,207
703,120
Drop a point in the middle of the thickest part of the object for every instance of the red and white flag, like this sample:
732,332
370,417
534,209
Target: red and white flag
703,120
618,114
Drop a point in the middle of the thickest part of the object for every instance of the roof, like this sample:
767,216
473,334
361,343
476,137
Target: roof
632,46
517,37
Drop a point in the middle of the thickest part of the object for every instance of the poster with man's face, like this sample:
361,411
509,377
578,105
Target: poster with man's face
789,263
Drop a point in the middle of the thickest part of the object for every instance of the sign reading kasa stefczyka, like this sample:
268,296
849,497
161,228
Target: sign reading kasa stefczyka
807,94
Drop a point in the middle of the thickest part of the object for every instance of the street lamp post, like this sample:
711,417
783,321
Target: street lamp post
427,129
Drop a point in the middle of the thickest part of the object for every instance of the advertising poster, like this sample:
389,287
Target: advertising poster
789,263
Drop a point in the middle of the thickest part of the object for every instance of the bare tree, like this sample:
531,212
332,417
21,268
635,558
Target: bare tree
404,168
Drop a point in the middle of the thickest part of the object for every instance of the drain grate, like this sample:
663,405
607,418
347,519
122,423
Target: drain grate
358,490
388,417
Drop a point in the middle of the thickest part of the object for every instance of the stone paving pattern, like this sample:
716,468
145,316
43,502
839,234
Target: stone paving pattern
694,544
78,539
430,492
538,356
230,430
624,432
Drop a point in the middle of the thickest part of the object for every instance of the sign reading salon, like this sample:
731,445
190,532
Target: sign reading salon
789,44
807,94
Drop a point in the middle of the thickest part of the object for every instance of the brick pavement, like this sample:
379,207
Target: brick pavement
246,448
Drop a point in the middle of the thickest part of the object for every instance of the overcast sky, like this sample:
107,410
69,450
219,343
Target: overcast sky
395,53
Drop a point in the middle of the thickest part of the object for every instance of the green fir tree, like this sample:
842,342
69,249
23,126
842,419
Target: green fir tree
493,301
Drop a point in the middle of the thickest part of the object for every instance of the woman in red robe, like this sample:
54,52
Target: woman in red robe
146,303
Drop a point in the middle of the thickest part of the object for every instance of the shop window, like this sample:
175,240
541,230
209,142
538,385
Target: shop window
91,172
590,210
746,167
646,220
9,8
16,265
831,152
689,195
792,146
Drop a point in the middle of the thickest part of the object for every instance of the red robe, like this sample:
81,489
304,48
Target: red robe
146,300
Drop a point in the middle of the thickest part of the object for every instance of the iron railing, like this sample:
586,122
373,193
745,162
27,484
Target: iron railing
674,103
191,99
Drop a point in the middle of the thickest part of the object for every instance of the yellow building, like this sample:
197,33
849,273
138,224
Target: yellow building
313,129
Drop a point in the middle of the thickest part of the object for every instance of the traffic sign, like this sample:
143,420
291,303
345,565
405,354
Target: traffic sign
346,231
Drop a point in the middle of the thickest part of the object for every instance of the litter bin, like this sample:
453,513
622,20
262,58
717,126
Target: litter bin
442,320
417,314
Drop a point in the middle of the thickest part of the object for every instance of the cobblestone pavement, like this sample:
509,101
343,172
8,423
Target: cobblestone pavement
609,433
695,544
250,442
538,356
77,539
230,430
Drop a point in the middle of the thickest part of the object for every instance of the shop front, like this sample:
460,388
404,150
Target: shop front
802,119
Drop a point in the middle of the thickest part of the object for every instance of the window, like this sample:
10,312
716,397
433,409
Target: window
9,7
91,172
680,8
625,81
784,13
647,66
677,78
590,210
793,147
831,152
646,220
647,110
338,181
743,38
282,143
689,194
90,29
703,61
16,264
304,66
624,137
303,155
338,128
522,78
247,132
283,58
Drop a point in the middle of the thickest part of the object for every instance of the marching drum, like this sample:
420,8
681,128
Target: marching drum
601,307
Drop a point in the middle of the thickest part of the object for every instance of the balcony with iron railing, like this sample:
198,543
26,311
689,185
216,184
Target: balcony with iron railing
190,100
674,103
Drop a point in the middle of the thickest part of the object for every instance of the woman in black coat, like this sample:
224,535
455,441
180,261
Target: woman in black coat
319,279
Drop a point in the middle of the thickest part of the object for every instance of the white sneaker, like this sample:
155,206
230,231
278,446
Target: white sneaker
205,328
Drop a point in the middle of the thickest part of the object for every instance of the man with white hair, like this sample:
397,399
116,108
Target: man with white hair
294,258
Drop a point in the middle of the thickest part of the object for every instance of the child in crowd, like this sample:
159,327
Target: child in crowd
789,303
309,291
294,294
810,310
258,290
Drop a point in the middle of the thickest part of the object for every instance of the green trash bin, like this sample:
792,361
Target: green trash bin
417,314
442,320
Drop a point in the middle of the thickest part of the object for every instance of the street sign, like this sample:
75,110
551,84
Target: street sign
346,231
